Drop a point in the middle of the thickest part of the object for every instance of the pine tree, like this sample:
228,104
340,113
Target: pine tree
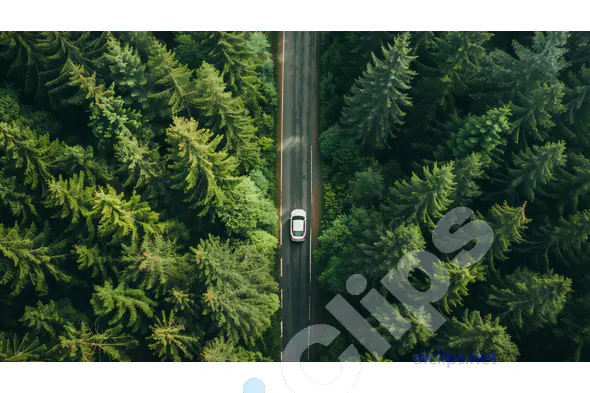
173,90
204,174
468,172
25,349
26,149
422,199
168,340
49,318
73,159
141,164
248,211
155,265
85,345
534,110
482,134
531,300
479,335
230,53
451,62
225,114
566,240
373,110
367,187
92,258
119,218
221,349
240,295
460,278
128,71
532,169
508,224
28,259
74,199
116,303
19,203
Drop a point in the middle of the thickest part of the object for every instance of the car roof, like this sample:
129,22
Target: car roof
298,212
298,225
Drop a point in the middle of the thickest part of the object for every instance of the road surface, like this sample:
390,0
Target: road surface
298,139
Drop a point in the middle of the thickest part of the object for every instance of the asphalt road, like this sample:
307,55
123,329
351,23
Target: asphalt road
297,140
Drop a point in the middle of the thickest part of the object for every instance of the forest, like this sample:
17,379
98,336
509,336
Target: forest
415,124
137,196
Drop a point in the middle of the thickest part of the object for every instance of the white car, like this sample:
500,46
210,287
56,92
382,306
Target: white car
298,225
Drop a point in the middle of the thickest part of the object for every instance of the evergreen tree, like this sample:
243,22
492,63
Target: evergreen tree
532,169
224,114
469,172
373,110
479,335
240,293
483,134
25,349
460,278
422,199
225,350
116,303
119,218
205,174
85,345
155,264
28,259
49,318
508,224
169,342
138,162
531,300
74,199
92,258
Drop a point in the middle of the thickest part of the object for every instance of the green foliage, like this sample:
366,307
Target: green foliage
240,293
473,333
531,300
226,350
421,200
224,114
85,345
28,258
168,341
204,173
15,349
117,303
373,111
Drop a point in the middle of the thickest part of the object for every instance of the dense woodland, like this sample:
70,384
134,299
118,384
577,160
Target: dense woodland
414,124
137,183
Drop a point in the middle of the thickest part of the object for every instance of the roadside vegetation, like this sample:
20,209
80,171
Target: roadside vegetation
137,188
415,124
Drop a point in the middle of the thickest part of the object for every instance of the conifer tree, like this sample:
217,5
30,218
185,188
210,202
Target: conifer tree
138,162
240,293
483,134
19,203
221,349
25,349
28,259
168,340
566,240
25,149
82,344
119,218
205,174
119,302
460,278
473,333
531,300
155,264
423,199
225,114
450,64
469,172
230,53
532,169
74,199
92,258
508,224
128,71
49,318
373,111
173,90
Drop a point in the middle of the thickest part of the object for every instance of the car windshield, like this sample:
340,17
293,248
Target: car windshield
298,226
